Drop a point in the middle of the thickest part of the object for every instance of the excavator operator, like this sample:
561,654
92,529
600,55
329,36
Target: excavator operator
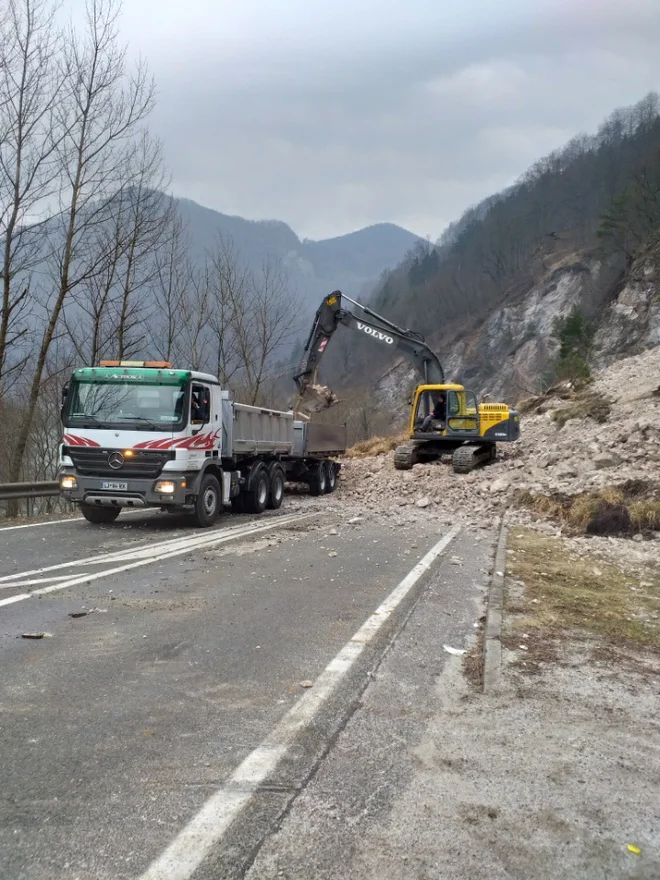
438,413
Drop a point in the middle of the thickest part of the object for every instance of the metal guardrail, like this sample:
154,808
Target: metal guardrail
12,491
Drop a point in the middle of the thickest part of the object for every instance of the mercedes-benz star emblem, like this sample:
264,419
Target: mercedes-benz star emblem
115,460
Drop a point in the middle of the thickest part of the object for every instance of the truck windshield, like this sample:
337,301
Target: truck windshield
143,406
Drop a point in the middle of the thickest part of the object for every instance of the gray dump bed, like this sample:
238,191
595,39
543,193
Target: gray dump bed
315,439
254,430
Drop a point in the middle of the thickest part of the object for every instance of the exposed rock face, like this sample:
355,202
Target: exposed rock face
632,321
511,353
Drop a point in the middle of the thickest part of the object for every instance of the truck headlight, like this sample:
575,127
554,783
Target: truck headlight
165,487
68,482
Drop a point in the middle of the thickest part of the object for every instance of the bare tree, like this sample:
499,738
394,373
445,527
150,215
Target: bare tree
194,317
172,283
31,84
147,219
106,314
252,316
229,282
102,111
272,322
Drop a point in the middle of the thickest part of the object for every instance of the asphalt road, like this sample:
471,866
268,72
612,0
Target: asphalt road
118,727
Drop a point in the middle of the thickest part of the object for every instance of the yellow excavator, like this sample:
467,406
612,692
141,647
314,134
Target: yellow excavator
444,418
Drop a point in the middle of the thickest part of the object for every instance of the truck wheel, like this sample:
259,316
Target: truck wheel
276,492
207,502
99,515
256,498
331,477
318,480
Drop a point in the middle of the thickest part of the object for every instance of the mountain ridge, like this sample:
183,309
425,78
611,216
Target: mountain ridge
353,262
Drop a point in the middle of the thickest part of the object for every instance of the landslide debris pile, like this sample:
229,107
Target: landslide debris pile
588,462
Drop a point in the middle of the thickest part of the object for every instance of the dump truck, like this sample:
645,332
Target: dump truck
141,434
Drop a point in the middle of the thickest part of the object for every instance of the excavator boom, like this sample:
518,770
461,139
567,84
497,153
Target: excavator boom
331,314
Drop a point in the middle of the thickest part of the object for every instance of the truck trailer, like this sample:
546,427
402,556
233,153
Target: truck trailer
141,434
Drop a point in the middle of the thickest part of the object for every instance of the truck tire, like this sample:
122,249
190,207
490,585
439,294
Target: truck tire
331,477
318,480
276,489
256,497
207,502
99,515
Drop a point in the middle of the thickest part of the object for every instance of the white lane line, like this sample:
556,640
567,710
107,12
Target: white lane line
33,581
71,519
191,846
130,551
133,551
210,540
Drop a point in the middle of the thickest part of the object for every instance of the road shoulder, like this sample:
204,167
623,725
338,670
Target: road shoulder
554,774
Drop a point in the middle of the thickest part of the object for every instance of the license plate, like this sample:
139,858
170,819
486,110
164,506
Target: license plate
114,487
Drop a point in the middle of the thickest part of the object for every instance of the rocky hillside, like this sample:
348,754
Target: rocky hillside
587,466
577,235
509,355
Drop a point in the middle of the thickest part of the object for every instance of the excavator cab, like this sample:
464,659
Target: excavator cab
460,418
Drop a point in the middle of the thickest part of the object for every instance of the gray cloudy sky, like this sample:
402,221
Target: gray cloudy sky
333,114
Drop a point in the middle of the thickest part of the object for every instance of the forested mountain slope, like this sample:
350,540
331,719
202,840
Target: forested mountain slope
312,268
578,234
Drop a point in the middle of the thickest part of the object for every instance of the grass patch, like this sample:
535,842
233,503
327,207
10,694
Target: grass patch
375,446
567,389
585,406
564,592
473,662
625,509
579,402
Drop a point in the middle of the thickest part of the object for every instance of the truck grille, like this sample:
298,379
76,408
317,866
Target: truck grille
92,461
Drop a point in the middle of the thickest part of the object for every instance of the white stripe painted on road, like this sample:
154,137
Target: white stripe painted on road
133,551
218,537
71,519
19,582
191,846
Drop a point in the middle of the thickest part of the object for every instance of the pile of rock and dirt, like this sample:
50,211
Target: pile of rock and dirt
587,462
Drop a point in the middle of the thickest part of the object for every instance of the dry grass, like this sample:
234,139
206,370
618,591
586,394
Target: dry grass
375,446
564,592
473,662
581,403
567,389
584,406
633,506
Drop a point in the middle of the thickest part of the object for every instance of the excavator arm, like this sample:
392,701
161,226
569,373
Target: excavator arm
331,314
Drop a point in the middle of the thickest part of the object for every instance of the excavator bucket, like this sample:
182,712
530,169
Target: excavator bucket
316,398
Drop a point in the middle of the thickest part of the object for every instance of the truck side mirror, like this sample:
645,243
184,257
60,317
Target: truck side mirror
65,394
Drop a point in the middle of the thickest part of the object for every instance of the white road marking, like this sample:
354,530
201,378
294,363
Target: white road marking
191,846
218,537
132,551
47,580
58,522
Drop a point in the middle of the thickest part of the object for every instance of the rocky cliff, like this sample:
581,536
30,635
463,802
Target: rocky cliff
510,354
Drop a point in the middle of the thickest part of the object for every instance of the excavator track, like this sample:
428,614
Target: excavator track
405,456
466,458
